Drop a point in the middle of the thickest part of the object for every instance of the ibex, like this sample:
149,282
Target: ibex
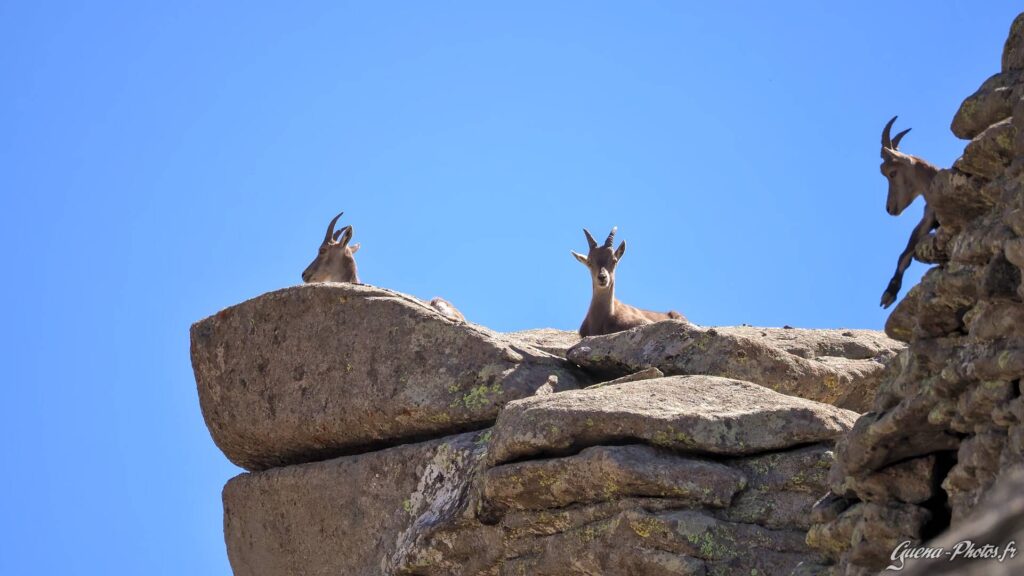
606,313
909,177
335,262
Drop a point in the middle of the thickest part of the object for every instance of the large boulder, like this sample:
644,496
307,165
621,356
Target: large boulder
315,371
657,505
839,367
694,414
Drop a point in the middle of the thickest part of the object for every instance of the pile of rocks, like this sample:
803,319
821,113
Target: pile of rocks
947,421
384,438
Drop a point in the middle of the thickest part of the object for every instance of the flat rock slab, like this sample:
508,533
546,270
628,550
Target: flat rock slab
603,473
321,370
839,367
550,340
693,414
356,515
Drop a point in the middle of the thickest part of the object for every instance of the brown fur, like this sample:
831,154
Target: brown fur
607,314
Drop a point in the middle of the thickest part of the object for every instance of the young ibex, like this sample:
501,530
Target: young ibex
606,314
336,262
909,177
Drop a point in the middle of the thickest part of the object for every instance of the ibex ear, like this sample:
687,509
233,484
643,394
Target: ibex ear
620,251
354,248
582,259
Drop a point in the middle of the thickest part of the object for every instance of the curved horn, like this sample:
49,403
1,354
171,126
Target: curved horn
611,237
886,140
330,228
590,239
896,140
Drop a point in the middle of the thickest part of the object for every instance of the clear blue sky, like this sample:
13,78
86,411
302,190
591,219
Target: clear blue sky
160,161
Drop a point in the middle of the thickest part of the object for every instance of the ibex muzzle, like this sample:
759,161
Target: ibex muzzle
335,260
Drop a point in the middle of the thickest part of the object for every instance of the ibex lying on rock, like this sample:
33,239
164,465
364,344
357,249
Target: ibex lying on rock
606,314
909,177
336,263
336,260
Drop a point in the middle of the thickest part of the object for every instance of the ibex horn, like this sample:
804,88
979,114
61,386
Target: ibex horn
330,228
590,239
896,140
886,140
611,237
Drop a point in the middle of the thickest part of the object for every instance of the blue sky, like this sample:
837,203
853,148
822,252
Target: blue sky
160,161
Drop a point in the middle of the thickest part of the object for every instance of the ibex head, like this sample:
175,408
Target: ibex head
601,260
900,169
335,261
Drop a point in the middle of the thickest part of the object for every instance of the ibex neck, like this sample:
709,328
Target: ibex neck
602,302
925,170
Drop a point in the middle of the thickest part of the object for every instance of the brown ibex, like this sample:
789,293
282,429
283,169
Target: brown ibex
909,177
335,262
606,313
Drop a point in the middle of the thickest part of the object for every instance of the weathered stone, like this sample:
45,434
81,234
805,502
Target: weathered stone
762,356
993,102
901,322
1001,279
1013,49
990,152
828,508
550,340
880,529
1018,141
996,522
934,248
878,440
976,469
1014,252
980,245
695,414
316,371
606,472
355,515
647,374
947,293
956,198
781,487
911,481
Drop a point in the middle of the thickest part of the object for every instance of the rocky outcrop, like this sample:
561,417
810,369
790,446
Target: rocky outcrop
315,371
839,367
384,438
677,475
948,421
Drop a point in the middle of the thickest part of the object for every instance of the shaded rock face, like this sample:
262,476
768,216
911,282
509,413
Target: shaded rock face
839,367
319,370
947,426
497,502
